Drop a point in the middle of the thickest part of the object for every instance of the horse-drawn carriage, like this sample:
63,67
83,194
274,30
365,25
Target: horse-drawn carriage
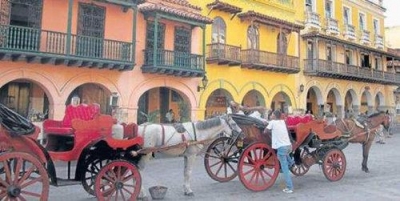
102,164
313,141
107,167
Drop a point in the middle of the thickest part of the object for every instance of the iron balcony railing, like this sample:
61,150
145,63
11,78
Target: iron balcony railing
25,39
264,58
222,51
350,32
173,59
313,19
332,26
336,69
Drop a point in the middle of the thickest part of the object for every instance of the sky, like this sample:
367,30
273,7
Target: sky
392,12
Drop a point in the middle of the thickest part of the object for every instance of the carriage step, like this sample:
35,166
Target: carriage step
67,182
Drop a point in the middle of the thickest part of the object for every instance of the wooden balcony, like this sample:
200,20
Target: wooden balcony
267,61
50,47
323,68
175,63
223,54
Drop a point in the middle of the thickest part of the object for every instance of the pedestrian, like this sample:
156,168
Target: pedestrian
281,142
380,135
170,116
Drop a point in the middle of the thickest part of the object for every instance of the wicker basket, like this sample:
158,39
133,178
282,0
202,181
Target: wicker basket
158,192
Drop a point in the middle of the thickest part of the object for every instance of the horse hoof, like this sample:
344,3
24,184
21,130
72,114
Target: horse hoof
189,194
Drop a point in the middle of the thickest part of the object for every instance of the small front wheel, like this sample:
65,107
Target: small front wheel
221,160
334,164
118,180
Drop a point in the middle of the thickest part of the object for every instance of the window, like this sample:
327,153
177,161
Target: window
378,63
376,27
182,47
282,44
346,16
365,60
348,57
218,31
150,35
91,23
362,22
328,9
253,37
310,50
309,5
330,52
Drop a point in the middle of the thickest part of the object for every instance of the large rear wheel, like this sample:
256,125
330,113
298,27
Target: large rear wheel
119,180
258,167
23,177
334,164
221,160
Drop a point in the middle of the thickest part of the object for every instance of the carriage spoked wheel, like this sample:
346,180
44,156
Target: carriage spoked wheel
92,168
300,169
258,167
118,180
23,177
221,160
334,164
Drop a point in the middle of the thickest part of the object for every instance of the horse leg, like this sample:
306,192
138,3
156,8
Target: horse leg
141,166
189,162
366,147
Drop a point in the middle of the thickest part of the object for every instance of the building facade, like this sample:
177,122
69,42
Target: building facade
148,55
193,56
346,65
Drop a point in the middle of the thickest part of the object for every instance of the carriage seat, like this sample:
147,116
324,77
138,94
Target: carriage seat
64,127
293,121
130,130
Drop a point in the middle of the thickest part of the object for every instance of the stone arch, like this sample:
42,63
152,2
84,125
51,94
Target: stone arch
379,101
250,86
217,84
337,105
281,88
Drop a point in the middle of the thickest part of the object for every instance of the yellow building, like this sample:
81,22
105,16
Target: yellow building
252,54
345,59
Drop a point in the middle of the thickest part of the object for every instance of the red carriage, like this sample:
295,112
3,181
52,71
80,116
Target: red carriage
251,157
103,164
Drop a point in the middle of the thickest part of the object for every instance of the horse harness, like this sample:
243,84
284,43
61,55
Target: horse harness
367,130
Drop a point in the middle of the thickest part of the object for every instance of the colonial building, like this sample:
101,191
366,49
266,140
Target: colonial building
147,55
344,58
252,54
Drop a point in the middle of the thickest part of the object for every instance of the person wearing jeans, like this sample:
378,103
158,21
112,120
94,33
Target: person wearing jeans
281,142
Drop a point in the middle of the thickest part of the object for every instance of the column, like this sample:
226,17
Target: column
371,109
356,110
339,112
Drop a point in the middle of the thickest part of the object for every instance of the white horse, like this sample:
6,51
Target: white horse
188,142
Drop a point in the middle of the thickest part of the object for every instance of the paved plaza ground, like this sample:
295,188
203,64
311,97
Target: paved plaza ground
382,183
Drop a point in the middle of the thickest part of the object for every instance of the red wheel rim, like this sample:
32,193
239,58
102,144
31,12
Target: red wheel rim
119,180
23,177
334,165
301,169
258,167
221,160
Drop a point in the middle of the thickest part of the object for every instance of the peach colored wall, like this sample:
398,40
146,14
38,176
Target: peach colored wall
118,24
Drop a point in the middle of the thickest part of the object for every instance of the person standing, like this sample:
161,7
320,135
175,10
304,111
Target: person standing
281,142
170,116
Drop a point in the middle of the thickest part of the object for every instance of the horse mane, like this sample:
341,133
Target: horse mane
375,114
209,123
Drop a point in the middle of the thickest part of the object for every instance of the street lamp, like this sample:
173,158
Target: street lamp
204,82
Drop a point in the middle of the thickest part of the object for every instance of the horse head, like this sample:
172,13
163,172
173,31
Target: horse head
380,118
231,127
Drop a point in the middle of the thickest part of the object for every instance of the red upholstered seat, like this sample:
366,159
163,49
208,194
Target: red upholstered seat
63,127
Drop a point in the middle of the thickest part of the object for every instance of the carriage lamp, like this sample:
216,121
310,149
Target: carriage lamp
301,88
204,82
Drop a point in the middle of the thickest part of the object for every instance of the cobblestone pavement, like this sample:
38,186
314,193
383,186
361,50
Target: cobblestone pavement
382,183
